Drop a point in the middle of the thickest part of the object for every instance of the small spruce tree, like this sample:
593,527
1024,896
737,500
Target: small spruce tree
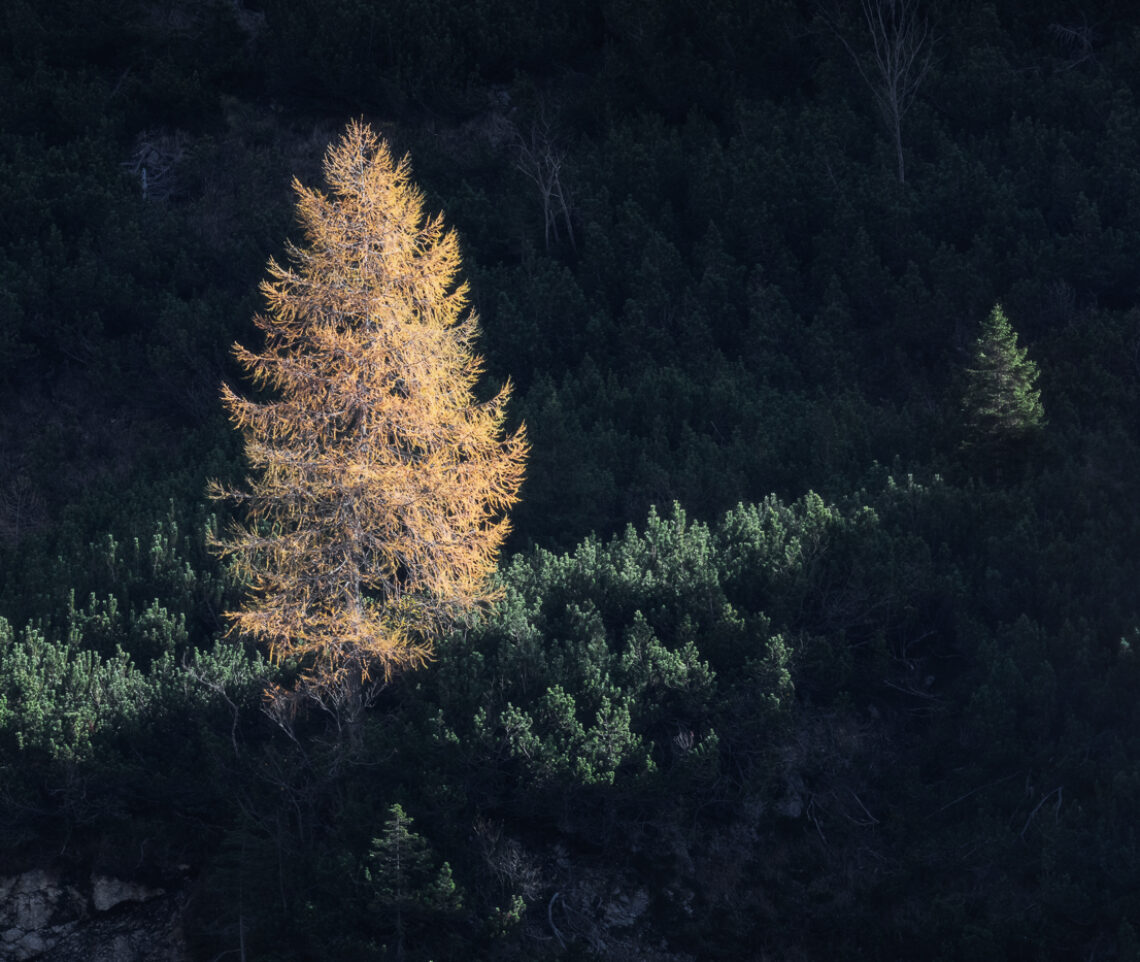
1002,402
407,890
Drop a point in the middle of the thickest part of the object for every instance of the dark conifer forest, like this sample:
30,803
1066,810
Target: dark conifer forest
818,628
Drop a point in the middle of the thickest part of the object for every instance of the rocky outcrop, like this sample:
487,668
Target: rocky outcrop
49,918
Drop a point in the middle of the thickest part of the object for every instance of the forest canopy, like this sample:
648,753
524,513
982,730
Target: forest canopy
815,634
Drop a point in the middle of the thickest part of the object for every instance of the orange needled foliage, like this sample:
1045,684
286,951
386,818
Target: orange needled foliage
375,505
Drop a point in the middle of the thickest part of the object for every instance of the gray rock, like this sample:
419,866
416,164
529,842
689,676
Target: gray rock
107,920
107,892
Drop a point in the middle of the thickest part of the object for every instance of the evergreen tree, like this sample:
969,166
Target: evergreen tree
1002,402
406,889
375,507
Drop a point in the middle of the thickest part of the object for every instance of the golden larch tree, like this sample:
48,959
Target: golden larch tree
375,506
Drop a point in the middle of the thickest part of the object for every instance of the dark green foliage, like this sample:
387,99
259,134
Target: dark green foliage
442,52
56,697
604,677
896,719
110,706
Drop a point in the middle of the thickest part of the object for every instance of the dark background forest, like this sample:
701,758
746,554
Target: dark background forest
796,659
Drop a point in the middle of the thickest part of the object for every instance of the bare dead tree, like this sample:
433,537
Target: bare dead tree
540,159
1076,40
900,58
22,508
155,160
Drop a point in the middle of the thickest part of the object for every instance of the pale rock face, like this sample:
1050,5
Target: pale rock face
108,920
28,903
28,946
107,892
625,909
30,899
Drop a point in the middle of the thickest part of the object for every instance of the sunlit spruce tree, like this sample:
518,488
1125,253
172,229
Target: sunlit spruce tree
375,505
1002,402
